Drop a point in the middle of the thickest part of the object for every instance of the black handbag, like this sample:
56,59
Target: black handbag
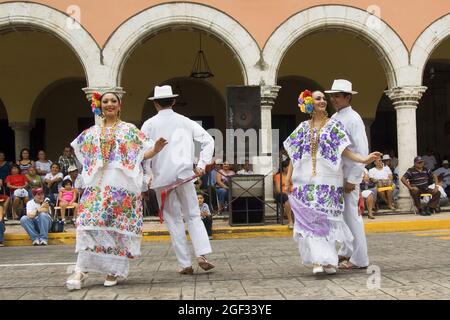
57,226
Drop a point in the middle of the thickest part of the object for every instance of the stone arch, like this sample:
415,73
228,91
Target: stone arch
391,51
128,36
427,42
57,23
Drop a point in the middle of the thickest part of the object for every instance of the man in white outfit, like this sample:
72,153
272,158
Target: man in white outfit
341,95
175,163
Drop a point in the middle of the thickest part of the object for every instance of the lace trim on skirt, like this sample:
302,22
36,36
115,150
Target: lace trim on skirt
102,263
323,250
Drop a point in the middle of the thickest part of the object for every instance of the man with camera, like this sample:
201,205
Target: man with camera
37,222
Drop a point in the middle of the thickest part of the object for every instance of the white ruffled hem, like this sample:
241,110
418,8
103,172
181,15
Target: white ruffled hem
102,263
323,250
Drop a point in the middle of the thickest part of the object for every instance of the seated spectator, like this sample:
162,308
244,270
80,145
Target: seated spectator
2,226
382,177
430,160
66,160
222,185
76,179
68,196
25,163
34,180
211,177
394,159
443,198
37,222
77,162
4,199
445,172
246,168
17,184
5,166
387,162
206,215
52,183
418,179
369,193
42,164
281,190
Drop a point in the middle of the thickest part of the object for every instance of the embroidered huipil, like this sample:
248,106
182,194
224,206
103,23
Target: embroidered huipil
318,201
109,223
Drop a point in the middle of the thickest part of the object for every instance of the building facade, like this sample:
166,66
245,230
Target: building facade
396,53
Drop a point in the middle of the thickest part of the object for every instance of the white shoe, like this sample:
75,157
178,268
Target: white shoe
36,242
318,270
110,283
329,270
76,281
43,243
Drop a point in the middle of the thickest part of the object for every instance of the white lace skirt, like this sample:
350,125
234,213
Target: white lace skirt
109,225
324,250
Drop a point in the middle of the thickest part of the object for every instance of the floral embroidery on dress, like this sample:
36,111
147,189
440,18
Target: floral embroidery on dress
331,142
322,197
110,250
333,139
298,142
125,150
113,207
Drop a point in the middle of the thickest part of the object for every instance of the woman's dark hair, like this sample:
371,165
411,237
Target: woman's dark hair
67,181
21,151
165,103
14,166
37,153
55,164
285,163
115,94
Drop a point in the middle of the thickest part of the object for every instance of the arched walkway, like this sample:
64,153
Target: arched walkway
130,34
390,49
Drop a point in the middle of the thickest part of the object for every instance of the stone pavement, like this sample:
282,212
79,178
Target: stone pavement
412,266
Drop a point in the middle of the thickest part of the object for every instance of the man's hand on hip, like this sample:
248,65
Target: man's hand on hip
348,187
199,171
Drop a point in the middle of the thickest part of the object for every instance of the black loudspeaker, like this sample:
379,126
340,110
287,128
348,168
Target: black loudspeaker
246,198
244,107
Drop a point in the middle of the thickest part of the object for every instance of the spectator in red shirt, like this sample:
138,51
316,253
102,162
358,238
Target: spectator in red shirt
17,184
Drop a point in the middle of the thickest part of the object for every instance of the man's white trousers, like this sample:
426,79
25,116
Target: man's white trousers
354,221
182,203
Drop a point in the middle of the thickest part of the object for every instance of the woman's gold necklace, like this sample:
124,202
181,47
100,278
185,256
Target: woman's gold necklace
314,142
107,143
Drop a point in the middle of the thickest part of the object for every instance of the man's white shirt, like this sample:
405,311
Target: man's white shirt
32,206
176,160
356,130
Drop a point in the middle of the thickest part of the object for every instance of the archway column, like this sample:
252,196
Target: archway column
265,160
21,136
405,100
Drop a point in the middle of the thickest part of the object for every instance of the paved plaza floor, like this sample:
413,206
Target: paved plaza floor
413,265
